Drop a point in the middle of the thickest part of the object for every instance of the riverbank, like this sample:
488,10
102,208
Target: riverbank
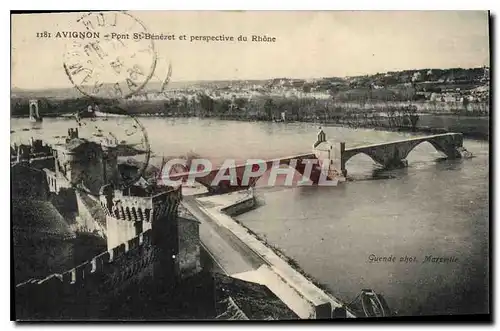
472,134
221,209
473,127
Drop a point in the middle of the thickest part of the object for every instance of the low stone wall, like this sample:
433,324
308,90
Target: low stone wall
322,303
90,217
241,206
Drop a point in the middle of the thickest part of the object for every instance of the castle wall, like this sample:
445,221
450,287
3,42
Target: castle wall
119,231
82,162
42,162
188,258
51,180
129,215
90,217
39,257
56,182
88,168
87,290
153,262
110,162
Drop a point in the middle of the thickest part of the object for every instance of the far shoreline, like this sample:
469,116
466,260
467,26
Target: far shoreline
481,134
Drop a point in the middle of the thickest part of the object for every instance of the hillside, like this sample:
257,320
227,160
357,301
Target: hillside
435,90
432,80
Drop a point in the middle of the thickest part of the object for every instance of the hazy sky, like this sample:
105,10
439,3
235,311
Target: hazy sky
308,44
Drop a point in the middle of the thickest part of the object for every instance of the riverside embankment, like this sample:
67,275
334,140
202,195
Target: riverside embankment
434,206
474,127
241,254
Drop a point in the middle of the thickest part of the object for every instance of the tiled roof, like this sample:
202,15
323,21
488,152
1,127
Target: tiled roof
255,301
42,240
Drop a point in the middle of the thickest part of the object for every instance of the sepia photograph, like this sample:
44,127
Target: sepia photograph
250,165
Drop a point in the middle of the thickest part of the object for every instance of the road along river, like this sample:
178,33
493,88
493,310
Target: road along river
373,232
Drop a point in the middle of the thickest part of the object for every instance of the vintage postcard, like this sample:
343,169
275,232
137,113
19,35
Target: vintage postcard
250,165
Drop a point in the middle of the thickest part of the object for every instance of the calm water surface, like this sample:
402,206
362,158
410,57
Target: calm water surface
434,207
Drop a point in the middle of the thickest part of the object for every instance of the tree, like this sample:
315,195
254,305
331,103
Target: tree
269,108
240,103
414,120
465,102
207,104
222,107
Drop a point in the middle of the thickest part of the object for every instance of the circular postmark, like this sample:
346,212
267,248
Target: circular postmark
109,59
162,77
165,81
108,149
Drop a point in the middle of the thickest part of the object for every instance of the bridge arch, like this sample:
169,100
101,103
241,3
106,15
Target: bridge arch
393,154
399,152
361,153
376,157
432,142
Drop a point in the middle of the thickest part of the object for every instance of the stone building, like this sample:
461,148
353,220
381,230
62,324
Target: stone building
149,248
151,267
86,163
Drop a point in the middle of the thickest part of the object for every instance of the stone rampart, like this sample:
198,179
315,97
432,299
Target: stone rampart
62,295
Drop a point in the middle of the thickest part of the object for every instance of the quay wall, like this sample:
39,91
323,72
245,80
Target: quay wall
324,305
239,207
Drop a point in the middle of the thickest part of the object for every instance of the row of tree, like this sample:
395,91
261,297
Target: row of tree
203,105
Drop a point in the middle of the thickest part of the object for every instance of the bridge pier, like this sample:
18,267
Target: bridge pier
342,160
396,164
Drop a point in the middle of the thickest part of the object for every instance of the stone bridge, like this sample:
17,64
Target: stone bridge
239,174
393,154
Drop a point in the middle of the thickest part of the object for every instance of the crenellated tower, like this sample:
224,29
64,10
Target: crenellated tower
127,216
86,163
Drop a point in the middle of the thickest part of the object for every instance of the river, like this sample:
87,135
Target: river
434,207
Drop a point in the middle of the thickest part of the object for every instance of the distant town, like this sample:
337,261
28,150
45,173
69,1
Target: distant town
430,90
239,165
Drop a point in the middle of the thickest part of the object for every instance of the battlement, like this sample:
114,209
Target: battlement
36,149
72,134
94,269
51,180
129,210
164,251
137,208
108,143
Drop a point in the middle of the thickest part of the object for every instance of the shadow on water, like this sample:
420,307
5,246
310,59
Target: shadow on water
447,164
259,201
380,173
389,173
